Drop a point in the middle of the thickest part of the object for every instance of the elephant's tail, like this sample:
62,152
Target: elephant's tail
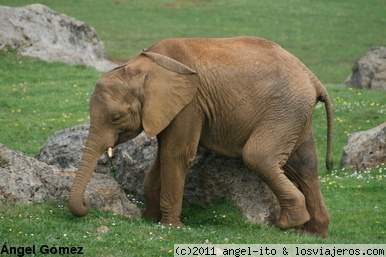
325,98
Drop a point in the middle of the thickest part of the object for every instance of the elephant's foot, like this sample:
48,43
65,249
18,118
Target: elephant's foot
152,214
172,222
318,233
318,228
293,217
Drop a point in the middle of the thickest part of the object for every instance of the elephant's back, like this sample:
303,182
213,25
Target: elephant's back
254,63
199,52
229,56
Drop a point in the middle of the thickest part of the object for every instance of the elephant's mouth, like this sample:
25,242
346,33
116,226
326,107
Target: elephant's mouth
125,135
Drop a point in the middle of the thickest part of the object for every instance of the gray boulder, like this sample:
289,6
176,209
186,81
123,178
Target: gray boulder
211,177
369,72
365,149
26,180
38,31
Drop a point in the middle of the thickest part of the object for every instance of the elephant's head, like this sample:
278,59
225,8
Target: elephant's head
144,94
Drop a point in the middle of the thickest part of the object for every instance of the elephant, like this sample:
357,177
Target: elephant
241,97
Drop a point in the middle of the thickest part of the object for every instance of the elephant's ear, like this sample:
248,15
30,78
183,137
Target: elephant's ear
169,87
169,63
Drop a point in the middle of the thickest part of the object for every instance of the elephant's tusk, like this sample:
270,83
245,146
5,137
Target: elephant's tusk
110,152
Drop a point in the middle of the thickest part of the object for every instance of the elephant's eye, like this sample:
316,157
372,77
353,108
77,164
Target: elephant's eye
115,119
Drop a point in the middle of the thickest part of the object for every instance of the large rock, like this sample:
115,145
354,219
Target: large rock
365,149
212,177
369,72
25,180
36,30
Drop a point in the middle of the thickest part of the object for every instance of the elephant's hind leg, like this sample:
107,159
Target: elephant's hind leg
265,160
302,169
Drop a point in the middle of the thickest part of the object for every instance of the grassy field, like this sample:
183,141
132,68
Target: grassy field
38,98
328,36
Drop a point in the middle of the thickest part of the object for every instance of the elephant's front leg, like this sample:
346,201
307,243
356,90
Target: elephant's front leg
178,148
173,181
152,190
174,165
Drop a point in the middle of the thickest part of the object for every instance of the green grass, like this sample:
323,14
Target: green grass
38,98
328,36
355,202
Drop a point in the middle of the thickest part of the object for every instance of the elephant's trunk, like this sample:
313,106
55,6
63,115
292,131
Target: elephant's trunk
91,154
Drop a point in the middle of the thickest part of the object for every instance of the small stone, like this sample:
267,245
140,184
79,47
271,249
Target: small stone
102,229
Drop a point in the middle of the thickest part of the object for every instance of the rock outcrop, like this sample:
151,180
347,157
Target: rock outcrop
212,177
365,149
38,31
369,72
26,180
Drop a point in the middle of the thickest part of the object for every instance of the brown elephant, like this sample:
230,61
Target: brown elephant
241,97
